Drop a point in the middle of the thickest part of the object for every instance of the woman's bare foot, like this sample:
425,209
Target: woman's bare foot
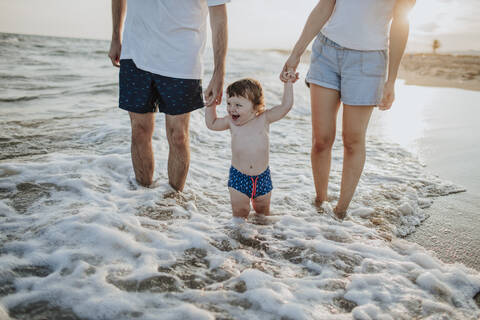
341,214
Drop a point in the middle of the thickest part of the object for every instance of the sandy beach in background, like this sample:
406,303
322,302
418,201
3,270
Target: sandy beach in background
441,70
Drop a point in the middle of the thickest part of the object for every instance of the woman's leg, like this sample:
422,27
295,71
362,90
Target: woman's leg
325,103
354,128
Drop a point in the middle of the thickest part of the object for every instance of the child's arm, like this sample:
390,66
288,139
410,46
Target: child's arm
214,123
278,112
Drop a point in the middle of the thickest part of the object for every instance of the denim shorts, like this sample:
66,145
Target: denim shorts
142,91
358,75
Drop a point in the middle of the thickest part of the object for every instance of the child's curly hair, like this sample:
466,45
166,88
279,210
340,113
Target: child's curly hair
250,89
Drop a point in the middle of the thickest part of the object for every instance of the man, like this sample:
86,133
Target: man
160,60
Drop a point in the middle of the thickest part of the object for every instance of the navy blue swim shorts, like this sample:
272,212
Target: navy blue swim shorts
251,186
142,91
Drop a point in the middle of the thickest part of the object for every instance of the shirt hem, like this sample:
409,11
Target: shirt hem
163,72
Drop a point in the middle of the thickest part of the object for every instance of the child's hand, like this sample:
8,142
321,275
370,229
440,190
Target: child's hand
291,76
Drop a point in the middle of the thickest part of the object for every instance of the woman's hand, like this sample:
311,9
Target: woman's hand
388,96
289,68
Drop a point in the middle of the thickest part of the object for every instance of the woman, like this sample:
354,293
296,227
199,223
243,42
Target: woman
352,49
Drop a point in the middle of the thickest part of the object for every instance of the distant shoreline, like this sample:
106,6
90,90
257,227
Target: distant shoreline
441,70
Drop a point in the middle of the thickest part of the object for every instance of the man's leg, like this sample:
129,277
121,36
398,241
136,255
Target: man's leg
179,149
142,152
325,103
355,122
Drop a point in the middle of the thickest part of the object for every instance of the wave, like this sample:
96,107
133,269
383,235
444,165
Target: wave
18,99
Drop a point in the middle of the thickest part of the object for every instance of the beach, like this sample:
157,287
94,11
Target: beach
441,70
445,147
80,239
442,133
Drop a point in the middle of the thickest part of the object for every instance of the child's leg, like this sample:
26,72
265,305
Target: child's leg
240,203
261,204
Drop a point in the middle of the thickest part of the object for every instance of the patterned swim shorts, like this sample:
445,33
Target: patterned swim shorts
251,186
142,91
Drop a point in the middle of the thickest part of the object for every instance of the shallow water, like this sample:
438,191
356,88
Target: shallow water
79,238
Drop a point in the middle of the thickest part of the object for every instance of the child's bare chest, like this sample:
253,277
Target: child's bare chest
254,133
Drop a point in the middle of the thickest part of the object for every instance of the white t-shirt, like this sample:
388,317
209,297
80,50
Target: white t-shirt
167,37
360,24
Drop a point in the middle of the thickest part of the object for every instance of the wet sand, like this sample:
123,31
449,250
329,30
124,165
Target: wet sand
440,126
451,231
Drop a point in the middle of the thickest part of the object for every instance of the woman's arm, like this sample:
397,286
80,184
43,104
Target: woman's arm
317,19
398,40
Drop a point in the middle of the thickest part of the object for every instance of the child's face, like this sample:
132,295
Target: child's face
240,110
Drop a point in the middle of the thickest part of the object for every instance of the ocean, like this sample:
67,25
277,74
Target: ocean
79,239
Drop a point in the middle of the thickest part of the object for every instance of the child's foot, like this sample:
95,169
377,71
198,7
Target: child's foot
261,219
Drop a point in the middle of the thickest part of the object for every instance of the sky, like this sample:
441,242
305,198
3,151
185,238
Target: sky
264,24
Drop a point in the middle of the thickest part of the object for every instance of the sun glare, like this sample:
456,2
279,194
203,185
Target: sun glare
422,13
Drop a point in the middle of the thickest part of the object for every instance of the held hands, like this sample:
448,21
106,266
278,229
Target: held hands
214,92
387,97
290,76
289,69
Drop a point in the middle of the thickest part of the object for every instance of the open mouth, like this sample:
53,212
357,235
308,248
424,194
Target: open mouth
235,116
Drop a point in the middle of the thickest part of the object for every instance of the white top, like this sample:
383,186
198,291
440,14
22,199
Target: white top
167,37
360,24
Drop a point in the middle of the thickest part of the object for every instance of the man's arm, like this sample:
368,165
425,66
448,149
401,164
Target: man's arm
317,19
278,112
214,123
218,23
398,40
119,9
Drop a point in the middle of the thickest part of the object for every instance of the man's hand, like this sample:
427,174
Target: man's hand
214,92
115,50
388,96
218,23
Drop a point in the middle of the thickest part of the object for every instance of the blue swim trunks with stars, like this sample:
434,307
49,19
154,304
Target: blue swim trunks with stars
251,186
